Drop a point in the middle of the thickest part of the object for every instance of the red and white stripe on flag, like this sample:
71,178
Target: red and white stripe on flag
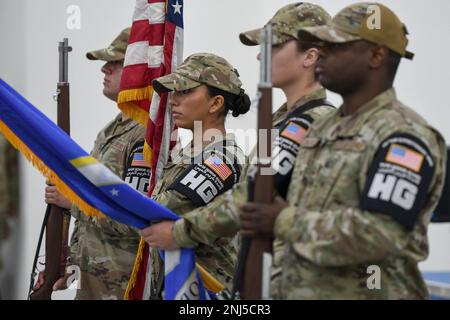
155,48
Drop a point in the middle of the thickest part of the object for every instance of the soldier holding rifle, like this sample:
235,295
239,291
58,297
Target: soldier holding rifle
103,249
292,71
367,178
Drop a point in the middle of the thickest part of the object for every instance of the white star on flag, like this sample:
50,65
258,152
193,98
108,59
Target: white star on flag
114,192
177,8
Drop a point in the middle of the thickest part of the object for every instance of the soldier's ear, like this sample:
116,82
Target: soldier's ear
216,104
311,56
378,56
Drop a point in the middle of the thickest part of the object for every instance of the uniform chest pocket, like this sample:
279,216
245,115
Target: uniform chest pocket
119,145
334,174
113,155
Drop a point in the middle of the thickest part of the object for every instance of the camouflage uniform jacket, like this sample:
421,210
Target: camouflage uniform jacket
102,248
217,257
8,186
221,218
363,190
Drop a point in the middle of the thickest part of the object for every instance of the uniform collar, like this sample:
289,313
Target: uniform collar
187,153
119,126
347,126
282,112
381,100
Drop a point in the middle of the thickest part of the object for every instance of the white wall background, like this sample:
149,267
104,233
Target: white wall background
30,31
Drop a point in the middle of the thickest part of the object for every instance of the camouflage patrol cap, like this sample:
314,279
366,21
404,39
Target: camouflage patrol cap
115,51
198,69
369,21
286,23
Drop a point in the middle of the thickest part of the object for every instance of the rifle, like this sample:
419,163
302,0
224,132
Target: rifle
56,221
251,265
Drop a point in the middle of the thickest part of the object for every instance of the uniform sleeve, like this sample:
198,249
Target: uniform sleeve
209,223
202,184
340,237
74,245
137,175
286,147
174,200
394,191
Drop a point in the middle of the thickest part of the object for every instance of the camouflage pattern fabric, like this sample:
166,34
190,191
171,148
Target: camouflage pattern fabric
102,248
219,256
287,22
115,51
221,218
369,21
8,186
329,240
201,68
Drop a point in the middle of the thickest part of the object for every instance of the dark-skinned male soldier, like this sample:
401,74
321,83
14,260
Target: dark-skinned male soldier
367,176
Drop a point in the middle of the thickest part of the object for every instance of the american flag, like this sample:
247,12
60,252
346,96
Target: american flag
138,161
405,157
218,166
294,132
155,48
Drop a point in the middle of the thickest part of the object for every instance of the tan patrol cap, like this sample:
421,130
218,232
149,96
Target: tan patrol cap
198,69
369,21
286,23
115,51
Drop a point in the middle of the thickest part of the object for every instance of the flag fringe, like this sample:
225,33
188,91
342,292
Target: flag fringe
210,283
131,109
148,153
134,273
47,172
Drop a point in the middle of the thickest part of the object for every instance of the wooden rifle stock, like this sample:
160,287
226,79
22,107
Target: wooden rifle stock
251,288
56,221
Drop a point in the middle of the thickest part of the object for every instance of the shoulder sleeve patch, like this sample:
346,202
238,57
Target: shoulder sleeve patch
294,132
137,171
285,150
201,182
398,179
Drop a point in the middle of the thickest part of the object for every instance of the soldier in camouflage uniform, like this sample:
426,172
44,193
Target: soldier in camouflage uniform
103,249
204,89
366,179
293,71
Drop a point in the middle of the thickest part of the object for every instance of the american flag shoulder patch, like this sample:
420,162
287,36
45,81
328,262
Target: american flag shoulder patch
217,165
294,132
405,157
138,161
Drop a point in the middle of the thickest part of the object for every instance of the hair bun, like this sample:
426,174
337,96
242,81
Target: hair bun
241,104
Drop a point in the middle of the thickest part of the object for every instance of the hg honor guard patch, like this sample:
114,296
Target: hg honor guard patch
202,182
398,179
285,151
137,172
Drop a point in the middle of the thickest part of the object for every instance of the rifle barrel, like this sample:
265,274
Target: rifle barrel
56,221
254,248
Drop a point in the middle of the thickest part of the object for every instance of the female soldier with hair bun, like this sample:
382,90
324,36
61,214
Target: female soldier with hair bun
203,90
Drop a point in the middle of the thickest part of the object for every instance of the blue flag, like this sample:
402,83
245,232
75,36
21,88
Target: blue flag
87,182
